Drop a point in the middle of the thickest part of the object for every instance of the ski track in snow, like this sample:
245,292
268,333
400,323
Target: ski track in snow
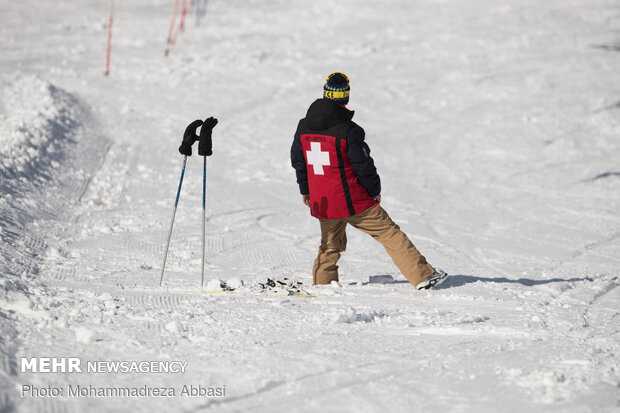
494,127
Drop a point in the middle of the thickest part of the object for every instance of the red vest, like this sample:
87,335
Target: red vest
334,189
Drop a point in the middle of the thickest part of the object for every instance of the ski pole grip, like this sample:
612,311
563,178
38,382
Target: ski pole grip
205,144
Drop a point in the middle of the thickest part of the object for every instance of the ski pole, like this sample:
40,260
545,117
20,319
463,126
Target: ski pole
174,212
181,24
107,59
204,192
172,21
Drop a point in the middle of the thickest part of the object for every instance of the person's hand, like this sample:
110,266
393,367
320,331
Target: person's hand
189,137
378,199
306,200
205,145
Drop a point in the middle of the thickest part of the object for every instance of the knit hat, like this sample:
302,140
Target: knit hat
337,88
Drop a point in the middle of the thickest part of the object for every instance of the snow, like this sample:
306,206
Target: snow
84,335
494,126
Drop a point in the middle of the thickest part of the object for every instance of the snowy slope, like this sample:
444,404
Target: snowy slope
494,126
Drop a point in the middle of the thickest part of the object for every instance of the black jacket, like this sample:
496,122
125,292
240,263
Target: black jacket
324,114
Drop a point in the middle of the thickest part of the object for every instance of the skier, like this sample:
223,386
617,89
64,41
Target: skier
338,181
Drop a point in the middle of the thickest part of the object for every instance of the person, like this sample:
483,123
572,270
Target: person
339,182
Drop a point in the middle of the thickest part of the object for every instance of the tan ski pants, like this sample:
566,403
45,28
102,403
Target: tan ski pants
376,223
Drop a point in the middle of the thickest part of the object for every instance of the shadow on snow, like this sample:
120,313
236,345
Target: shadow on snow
461,280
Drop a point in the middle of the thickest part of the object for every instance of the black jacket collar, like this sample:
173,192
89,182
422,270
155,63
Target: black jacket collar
325,113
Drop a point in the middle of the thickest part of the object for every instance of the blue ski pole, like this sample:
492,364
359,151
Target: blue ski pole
174,212
204,196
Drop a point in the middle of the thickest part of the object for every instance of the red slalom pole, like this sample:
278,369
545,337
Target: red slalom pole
107,59
183,14
174,17
181,24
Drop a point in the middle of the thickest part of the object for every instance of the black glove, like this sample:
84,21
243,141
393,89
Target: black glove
189,137
205,144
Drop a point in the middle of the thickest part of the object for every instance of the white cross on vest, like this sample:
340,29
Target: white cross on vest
317,158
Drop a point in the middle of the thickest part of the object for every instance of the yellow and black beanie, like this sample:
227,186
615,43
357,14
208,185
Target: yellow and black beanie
337,88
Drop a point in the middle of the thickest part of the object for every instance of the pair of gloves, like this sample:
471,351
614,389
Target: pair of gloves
205,144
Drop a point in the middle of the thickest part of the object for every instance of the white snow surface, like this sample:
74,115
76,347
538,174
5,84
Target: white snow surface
495,127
